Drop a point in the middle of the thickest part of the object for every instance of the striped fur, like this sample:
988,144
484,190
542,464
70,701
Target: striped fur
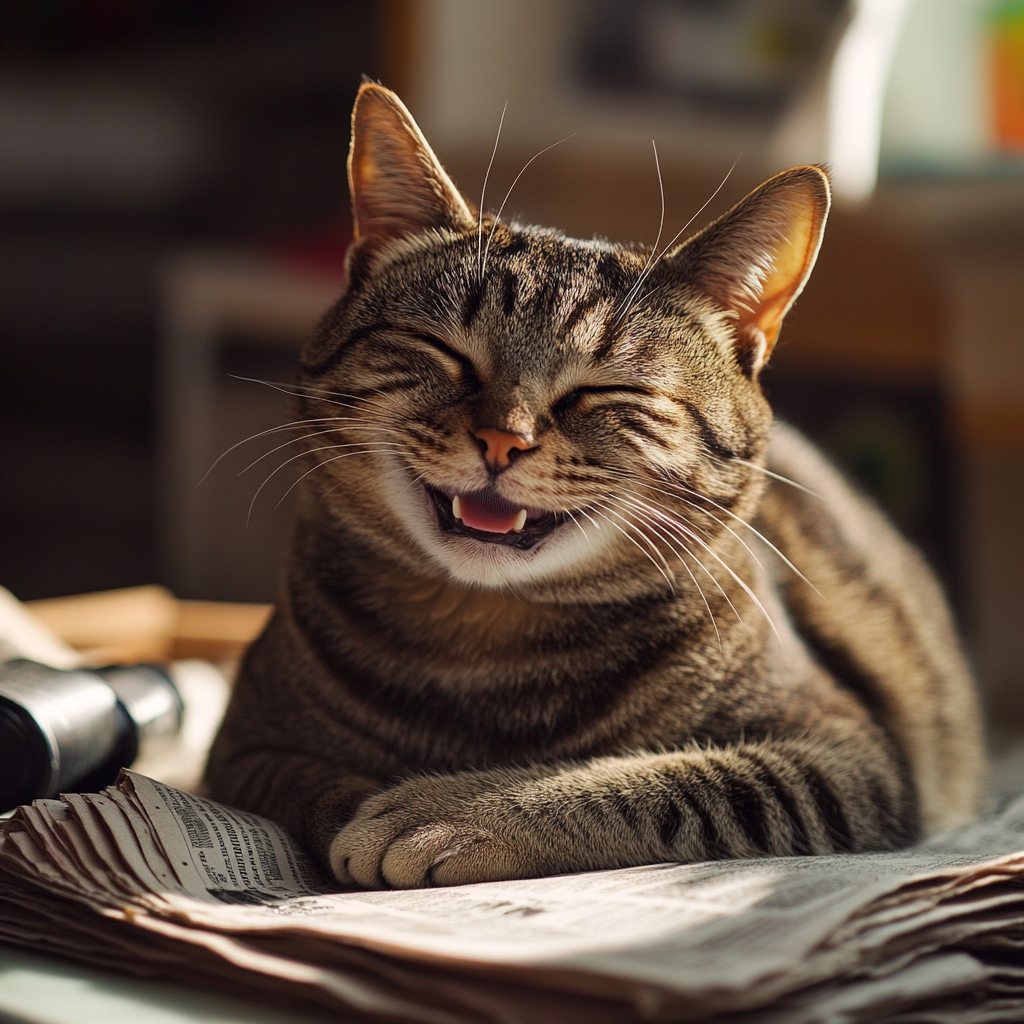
651,680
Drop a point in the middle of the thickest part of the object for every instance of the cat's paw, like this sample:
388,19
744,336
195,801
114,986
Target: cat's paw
444,830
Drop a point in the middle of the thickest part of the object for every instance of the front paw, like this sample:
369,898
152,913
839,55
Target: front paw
443,830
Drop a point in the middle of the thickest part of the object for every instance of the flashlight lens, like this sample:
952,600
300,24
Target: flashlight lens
24,756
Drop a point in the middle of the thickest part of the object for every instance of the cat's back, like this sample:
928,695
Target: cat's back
876,617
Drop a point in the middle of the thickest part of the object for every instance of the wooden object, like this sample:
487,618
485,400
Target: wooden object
151,624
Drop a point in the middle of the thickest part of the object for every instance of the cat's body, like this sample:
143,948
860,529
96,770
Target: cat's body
524,627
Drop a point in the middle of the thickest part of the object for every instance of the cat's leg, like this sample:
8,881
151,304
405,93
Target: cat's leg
310,796
280,753
842,790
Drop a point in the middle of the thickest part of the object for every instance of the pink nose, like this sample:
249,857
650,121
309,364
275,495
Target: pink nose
499,445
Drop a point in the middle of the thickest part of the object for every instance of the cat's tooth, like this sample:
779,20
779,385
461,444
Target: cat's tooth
457,507
520,520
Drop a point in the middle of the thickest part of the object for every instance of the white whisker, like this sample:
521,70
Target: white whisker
632,478
666,571
753,529
388,471
728,568
283,388
583,511
780,478
657,259
325,462
640,483
682,560
294,425
577,522
318,433
483,194
329,447
497,216
657,240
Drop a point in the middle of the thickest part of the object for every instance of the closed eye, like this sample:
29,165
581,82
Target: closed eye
574,397
468,371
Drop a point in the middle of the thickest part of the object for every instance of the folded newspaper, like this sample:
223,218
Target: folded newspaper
159,882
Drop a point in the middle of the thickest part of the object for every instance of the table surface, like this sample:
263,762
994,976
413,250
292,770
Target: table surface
37,989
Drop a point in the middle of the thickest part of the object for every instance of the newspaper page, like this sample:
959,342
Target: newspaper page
581,915
222,854
861,933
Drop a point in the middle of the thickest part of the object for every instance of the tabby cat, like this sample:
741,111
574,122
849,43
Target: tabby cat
560,596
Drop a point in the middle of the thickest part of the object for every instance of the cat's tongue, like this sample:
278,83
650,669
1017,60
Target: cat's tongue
488,511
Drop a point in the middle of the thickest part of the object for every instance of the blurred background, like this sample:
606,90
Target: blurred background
173,219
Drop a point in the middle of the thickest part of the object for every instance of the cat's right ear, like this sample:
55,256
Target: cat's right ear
755,260
398,186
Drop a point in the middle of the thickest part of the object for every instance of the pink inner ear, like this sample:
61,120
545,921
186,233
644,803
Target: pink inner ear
792,257
793,260
398,186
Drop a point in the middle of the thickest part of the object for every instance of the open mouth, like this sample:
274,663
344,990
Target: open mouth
487,516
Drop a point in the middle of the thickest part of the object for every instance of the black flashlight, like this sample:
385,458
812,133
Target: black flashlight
73,730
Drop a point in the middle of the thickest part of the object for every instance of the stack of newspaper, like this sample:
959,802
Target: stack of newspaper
159,882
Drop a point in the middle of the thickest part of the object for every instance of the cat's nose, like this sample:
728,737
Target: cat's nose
497,446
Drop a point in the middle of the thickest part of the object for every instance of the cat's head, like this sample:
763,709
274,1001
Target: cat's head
511,407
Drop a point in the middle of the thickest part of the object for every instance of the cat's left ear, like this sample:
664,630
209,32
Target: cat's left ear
398,185
757,258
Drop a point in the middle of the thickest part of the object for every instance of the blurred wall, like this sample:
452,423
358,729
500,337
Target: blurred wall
139,139
127,132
